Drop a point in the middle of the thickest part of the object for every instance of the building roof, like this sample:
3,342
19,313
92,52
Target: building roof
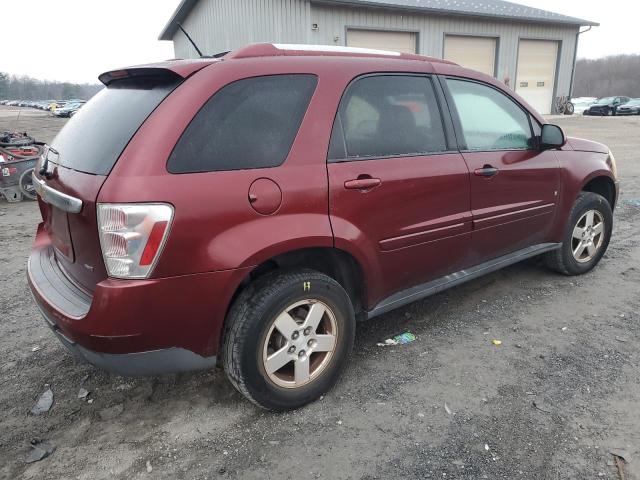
494,9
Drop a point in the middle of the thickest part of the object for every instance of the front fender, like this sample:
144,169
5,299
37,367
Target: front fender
577,170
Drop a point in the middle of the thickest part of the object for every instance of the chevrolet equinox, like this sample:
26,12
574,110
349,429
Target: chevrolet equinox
247,210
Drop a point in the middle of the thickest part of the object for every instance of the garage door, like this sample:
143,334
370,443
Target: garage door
477,53
536,73
404,42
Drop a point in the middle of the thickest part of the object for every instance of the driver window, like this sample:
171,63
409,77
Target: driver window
490,120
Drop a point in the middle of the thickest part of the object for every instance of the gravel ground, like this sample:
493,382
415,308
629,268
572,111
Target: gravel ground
551,403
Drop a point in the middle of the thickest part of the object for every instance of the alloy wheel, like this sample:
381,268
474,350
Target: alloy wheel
300,343
588,236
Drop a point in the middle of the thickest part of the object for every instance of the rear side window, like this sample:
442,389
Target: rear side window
251,123
94,138
386,116
490,120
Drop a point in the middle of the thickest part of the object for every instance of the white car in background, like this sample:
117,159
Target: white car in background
580,104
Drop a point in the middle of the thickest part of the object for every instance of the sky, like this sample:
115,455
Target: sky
76,40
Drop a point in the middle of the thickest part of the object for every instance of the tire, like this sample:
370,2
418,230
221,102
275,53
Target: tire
251,337
26,185
569,108
563,259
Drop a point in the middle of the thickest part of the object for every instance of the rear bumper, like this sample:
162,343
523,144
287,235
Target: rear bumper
133,364
134,327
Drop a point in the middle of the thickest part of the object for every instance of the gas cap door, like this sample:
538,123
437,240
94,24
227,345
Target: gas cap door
265,196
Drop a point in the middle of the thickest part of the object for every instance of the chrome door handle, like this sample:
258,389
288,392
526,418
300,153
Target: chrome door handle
487,171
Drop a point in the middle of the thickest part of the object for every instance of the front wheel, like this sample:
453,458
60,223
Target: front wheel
586,238
288,337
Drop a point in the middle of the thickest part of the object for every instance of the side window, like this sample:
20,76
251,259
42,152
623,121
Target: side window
385,116
490,119
251,123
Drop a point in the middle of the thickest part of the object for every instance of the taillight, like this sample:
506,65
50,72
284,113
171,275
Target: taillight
132,236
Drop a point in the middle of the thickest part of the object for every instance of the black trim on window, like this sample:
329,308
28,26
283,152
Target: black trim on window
337,144
462,145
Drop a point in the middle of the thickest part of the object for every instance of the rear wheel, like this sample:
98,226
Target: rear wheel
288,337
587,236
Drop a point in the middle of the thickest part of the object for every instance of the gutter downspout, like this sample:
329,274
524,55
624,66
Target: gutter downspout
575,57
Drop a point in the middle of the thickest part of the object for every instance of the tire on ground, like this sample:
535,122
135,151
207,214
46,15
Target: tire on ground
248,324
562,259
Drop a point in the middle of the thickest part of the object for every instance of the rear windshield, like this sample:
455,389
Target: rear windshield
96,135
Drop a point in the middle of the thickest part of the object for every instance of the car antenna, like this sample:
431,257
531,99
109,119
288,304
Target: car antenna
190,40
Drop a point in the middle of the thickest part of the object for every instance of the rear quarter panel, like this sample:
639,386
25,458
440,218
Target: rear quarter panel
215,227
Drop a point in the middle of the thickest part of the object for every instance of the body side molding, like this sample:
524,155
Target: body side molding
432,287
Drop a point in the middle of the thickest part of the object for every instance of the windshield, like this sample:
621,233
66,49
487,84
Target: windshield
94,138
605,101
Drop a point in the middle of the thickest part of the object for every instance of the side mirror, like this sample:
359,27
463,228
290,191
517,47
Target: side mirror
552,137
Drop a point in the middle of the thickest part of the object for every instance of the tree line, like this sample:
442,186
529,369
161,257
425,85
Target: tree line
14,87
608,76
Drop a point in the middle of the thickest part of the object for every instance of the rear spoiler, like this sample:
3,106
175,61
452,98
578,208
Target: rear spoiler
172,70
158,74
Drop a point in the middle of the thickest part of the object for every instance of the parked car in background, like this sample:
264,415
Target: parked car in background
247,210
68,110
606,106
632,107
580,104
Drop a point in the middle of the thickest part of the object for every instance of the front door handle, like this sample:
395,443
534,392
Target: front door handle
487,171
362,183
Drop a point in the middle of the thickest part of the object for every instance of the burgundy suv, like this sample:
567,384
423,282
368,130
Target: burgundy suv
247,210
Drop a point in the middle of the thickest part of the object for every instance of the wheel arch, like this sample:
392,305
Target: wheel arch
333,262
603,185
336,263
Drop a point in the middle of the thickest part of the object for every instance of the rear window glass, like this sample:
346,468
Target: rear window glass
96,135
251,123
385,116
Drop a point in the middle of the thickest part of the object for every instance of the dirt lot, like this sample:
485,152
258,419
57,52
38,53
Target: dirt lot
550,403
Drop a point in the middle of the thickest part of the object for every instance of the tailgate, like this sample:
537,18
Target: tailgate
73,233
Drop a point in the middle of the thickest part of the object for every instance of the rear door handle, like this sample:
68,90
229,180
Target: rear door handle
362,183
487,171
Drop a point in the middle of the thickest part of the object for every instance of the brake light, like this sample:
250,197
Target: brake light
132,236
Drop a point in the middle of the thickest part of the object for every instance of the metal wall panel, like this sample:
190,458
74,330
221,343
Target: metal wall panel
333,21
220,25
223,25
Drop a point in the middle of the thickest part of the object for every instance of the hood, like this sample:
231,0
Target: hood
582,145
